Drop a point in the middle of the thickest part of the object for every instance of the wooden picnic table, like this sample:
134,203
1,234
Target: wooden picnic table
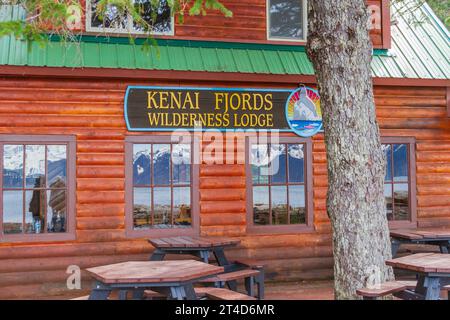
175,279
200,247
433,270
437,237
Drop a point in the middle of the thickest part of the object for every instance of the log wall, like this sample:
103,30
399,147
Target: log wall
249,23
93,112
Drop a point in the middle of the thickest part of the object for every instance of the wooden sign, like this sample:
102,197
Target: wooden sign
170,108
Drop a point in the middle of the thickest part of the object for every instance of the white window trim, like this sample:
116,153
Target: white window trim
89,28
305,24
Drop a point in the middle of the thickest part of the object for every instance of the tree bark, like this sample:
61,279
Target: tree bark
340,49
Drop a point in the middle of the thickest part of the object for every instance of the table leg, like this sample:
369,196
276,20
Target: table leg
429,287
190,292
123,294
177,293
395,245
100,292
204,255
158,255
222,261
138,294
444,247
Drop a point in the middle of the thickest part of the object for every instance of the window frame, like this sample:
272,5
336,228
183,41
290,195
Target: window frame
195,207
412,185
281,39
90,28
70,142
308,183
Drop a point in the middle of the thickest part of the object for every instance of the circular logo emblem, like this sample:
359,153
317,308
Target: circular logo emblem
303,112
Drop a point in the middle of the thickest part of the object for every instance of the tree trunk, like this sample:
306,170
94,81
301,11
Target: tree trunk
340,50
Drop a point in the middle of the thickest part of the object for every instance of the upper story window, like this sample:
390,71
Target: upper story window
280,188
399,182
161,21
160,190
37,187
286,20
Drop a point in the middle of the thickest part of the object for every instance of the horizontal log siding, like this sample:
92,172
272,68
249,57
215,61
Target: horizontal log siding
92,110
248,24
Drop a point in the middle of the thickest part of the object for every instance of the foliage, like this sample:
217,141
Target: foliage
58,17
442,10
407,9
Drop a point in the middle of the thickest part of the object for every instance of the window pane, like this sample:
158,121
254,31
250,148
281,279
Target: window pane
56,211
261,205
400,162
278,163
141,164
111,19
13,166
182,206
279,205
181,161
388,199
296,163
161,164
35,211
159,18
286,19
12,211
161,205
401,202
56,166
34,166
388,153
297,205
259,159
142,208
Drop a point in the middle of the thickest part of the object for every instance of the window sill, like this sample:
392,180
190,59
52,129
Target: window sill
32,238
280,229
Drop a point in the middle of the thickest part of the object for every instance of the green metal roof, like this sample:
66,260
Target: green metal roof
418,51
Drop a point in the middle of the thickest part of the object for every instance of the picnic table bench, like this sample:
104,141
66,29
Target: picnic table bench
437,237
203,247
174,279
433,271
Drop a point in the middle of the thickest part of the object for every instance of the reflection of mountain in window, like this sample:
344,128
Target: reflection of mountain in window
34,188
286,19
159,19
396,181
161,186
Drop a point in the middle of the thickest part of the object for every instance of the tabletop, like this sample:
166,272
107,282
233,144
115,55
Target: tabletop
193,242
417,234
423,262
153,271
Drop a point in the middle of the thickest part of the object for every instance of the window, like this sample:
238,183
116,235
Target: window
160,185
280,184
37,187
399,182
162,23
286,20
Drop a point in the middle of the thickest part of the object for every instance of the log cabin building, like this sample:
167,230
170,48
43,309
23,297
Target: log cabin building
83,185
